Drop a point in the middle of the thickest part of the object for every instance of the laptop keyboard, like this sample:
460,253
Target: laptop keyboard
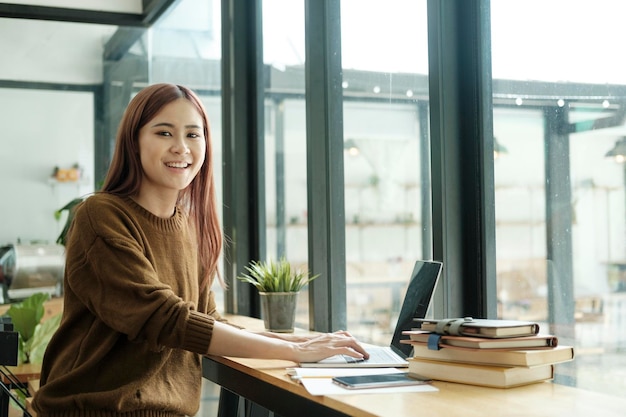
350,359
382,355
376,355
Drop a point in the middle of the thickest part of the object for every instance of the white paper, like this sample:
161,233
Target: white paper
318,381
297,373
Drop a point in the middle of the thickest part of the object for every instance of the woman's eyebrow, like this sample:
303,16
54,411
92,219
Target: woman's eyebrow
166,124
163,124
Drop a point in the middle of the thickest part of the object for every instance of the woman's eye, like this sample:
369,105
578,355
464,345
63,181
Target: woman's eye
164,133
194,135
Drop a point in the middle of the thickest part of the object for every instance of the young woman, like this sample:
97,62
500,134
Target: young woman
140,260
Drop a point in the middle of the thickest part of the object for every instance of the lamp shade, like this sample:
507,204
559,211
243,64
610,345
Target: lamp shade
498,148
351,147
618,153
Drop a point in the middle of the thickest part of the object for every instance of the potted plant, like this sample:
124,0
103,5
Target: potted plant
278,284
34,335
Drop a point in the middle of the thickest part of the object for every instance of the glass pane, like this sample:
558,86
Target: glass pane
285,139
385,69
559,113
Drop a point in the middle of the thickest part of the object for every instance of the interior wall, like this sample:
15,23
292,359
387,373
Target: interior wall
42,129
54,52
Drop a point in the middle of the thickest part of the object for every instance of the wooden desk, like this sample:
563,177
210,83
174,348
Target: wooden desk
265,383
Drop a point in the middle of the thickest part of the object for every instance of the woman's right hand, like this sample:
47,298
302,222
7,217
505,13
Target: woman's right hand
325,345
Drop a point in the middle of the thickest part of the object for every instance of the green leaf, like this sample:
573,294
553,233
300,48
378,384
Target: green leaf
41,337
33,335
27,314
70,207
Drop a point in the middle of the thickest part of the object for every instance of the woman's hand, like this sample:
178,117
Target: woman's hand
325,345
227,340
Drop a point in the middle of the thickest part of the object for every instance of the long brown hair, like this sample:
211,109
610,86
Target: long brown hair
125,173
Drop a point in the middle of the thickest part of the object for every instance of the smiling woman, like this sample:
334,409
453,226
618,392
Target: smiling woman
172,148
170,118
142,323
156,215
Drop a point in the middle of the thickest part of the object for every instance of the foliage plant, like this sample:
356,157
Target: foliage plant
69,207
276,276
33,334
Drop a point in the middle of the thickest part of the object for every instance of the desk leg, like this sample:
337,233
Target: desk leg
229,404
232,405
4,403
255,410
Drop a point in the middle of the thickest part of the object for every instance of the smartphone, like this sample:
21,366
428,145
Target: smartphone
379,380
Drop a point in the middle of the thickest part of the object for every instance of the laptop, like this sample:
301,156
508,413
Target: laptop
418,297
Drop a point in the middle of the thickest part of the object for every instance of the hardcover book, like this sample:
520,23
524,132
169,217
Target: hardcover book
495,356
434,340
480,327
484,375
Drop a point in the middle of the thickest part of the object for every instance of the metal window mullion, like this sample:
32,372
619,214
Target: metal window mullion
325,176
243,148
462,156
279,133
425,182
559,220
559,223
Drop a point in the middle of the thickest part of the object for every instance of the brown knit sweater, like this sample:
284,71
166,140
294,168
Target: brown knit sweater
134,323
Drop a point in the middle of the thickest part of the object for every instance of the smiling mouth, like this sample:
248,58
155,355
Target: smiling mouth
177,164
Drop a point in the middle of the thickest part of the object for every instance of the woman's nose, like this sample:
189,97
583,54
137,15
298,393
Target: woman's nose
180,146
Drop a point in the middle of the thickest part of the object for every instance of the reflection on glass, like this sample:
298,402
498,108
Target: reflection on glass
285,139
559,199
384,57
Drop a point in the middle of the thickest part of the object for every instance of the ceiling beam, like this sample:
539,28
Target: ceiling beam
152,10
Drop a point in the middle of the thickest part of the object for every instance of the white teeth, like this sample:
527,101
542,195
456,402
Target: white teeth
177,164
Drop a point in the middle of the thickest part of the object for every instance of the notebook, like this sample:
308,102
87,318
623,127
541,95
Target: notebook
418,297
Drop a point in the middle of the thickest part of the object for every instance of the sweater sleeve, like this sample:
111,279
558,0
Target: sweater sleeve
137,287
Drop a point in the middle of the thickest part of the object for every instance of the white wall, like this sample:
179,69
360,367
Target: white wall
40,130
56,52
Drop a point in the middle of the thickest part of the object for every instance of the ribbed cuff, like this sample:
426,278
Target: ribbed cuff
199,332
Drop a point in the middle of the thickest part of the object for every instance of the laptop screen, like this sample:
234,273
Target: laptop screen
418,296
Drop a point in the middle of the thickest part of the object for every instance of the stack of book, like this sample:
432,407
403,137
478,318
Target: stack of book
493,353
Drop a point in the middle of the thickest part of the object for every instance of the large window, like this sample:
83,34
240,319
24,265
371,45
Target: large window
385,117
559,97
386,158
285,139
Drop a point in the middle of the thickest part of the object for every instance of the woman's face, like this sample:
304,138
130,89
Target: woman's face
172,149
